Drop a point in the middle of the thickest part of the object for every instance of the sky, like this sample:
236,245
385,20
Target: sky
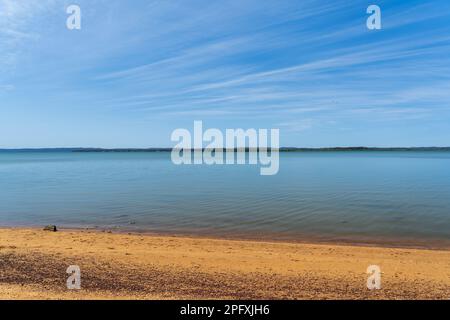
137,70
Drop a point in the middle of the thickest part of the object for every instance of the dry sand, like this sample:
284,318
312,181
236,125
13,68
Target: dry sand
33,265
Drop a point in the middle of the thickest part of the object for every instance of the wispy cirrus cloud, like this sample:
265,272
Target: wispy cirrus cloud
330,81
19,25
6,87
296,126
304,65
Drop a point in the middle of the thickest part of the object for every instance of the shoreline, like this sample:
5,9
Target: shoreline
33,263
351,240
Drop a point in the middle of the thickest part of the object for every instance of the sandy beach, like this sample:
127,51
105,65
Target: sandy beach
33,265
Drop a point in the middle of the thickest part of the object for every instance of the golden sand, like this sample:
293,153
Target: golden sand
33,265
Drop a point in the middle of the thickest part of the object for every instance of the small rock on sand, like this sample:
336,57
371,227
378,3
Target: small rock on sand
50,228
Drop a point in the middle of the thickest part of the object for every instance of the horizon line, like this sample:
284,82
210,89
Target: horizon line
168,149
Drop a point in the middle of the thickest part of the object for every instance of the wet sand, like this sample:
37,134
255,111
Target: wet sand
33,265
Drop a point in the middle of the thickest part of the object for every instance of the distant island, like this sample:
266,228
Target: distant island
283,149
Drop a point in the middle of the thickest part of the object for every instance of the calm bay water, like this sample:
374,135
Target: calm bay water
370,196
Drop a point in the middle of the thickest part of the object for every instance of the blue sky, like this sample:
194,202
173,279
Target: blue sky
139,69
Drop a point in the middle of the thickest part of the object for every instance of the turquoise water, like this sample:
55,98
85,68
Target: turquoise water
371,196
